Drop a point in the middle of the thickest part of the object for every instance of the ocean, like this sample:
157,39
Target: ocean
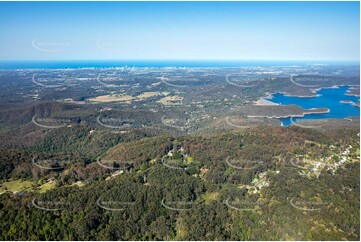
51,64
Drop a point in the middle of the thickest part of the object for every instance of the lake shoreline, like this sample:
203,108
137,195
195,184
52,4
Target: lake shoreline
315,90
334,98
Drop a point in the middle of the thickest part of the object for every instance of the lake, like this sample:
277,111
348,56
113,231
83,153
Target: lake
328,98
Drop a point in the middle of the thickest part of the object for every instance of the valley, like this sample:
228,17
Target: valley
179,154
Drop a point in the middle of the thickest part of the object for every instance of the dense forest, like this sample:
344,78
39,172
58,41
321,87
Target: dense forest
232,185
172,121
123,172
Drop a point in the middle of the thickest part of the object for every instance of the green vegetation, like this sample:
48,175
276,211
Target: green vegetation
16,186
193,177
47,186
217,202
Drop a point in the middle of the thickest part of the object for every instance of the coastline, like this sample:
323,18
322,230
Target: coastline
314,90
351,94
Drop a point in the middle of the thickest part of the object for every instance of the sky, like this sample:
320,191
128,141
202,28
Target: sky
180,31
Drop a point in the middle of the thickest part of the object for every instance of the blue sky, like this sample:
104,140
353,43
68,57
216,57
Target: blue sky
180,30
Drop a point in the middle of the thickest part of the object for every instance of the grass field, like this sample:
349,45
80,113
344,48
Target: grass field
16,185
47,186
20,185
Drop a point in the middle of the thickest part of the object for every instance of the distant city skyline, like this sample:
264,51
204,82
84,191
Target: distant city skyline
180,31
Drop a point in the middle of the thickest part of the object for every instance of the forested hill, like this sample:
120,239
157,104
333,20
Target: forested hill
254,184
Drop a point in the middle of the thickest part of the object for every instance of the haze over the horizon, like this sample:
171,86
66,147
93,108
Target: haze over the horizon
180,30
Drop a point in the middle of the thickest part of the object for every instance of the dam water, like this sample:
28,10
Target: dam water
336,100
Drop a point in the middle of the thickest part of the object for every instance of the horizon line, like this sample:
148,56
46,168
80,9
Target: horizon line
230,60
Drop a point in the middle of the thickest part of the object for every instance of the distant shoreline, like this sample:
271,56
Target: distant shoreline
148,63
315,90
